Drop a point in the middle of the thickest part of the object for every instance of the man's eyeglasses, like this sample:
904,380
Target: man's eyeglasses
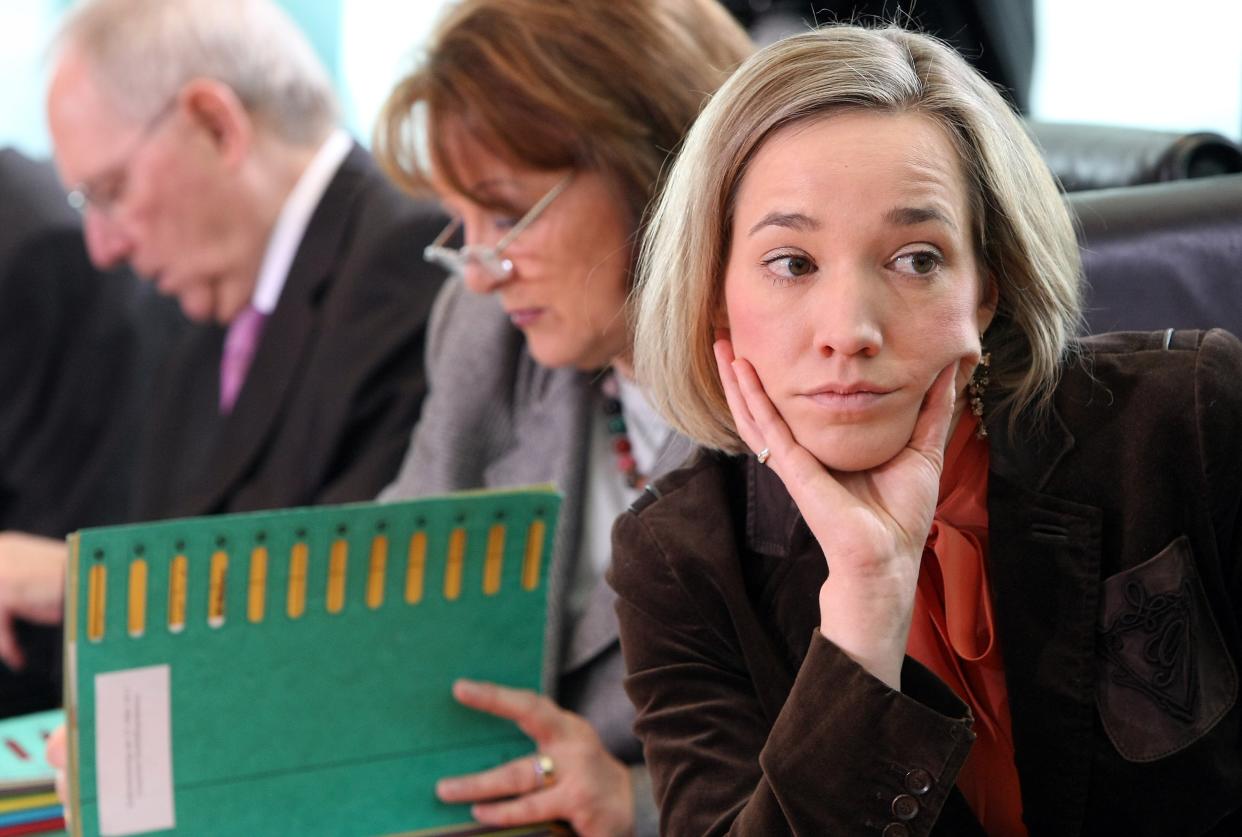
103,191
491,259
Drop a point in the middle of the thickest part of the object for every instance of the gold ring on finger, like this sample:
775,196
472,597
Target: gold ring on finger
545,770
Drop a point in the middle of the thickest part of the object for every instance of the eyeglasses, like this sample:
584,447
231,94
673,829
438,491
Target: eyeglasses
456,259
103,191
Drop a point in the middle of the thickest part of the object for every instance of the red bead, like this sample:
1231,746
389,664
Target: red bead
621,444
626,463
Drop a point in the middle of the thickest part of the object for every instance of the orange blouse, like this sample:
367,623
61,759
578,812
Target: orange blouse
953,634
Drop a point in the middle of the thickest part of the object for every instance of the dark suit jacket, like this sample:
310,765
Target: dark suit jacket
1115,539
336,382
77,352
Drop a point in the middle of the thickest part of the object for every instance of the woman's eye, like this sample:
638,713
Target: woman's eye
789,265
504,222
919,263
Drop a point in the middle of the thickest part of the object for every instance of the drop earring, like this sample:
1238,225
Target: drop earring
978,384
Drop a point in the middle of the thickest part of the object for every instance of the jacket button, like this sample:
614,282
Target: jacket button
895,829
905,807
918,781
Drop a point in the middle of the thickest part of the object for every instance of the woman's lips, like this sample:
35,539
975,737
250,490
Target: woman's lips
851,400
525,317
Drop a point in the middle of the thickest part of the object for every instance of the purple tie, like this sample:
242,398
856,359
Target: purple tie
239,346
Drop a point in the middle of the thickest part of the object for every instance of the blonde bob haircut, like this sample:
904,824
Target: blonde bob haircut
1024,238
607,85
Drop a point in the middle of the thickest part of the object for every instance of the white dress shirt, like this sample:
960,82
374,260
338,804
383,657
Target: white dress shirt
294,217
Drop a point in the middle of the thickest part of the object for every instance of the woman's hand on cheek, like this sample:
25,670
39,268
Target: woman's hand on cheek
871,525
816,491
590,788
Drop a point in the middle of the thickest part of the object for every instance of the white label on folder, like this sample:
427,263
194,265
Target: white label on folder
133,751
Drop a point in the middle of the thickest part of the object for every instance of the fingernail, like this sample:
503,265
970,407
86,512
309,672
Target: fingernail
463,688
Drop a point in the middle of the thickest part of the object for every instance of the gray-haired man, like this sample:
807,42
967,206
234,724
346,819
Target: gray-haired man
200,139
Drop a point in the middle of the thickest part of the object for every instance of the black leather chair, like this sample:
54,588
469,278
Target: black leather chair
1103,156
1166,255
996,36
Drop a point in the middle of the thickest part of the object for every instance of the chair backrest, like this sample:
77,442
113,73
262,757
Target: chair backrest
1103,156
1166,255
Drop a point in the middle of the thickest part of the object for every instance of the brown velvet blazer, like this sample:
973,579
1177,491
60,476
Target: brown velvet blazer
1115,552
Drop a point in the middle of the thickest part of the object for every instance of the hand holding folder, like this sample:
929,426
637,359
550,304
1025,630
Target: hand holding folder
290,672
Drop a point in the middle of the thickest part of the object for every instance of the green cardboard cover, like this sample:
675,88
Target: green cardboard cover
289,672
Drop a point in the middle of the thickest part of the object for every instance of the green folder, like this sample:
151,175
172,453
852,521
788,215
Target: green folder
289,672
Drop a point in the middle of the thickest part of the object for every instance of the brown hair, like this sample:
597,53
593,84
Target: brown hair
609,85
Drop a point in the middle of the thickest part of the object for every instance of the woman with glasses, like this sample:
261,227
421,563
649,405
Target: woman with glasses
543,126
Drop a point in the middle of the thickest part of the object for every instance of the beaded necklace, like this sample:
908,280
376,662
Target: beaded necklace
618,435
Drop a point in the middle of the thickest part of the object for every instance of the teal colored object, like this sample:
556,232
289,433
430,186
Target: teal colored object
21,750
331,713
321,21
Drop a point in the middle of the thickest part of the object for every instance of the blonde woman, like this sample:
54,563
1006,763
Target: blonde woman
945,568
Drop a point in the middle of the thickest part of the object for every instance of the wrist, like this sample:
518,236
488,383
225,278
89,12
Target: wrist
869,622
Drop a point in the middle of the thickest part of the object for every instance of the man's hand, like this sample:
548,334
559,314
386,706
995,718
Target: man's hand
32,582
57,756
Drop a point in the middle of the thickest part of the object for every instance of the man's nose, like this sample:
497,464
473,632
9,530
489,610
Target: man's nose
107,244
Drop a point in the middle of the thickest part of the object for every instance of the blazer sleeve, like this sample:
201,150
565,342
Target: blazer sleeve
467,417
832,759
1218,405
77,349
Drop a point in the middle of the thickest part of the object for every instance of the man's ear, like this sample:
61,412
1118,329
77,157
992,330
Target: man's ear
217,110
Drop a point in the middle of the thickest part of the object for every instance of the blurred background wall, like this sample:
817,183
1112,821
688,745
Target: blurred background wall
1099,61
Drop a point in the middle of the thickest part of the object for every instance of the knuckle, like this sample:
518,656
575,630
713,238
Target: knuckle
518,776
577,725
515,811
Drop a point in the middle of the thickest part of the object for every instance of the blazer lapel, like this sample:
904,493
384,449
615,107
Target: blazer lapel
1044,570
598,629
287,341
